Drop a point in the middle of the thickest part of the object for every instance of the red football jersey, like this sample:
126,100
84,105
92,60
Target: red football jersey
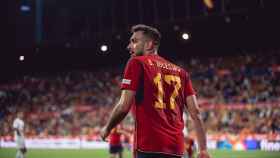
115,137
161,90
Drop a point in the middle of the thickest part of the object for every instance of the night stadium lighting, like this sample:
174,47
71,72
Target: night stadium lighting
104,48
227,19
176,28
185,36
21,58
25,8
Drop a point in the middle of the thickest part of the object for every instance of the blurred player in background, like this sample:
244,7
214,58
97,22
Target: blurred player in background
18,126
159,91
115,143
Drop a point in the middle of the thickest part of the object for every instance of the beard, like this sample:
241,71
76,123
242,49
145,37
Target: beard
139,53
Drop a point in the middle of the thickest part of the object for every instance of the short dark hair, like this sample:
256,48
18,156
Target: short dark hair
148,31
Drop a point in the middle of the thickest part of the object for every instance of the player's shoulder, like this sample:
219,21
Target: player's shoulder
177,67
16,120
139,58
135,59
182,69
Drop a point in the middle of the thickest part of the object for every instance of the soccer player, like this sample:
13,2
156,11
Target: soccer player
115,144
18,126
159,91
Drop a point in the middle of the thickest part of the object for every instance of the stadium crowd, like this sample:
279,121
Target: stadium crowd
79,102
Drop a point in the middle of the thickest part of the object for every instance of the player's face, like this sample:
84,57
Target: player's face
20,115
137,44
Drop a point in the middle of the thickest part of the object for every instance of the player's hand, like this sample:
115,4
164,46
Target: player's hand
18,132
203,154
104,133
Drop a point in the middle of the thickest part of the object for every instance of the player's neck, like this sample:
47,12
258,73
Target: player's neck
151,52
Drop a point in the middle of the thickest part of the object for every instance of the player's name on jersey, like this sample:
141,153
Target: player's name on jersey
167,66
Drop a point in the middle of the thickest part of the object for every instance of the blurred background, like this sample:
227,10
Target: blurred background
66,64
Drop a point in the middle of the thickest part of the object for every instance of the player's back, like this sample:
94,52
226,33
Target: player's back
160,102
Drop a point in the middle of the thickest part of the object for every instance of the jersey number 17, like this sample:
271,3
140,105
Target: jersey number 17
159,104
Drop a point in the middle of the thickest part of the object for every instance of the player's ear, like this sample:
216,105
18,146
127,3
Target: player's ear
150,45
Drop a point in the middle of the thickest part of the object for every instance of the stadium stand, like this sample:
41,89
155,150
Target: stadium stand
238,94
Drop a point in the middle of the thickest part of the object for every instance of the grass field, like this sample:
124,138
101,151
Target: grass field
88,153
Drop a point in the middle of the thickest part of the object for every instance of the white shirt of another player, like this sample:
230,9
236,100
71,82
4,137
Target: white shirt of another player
18,124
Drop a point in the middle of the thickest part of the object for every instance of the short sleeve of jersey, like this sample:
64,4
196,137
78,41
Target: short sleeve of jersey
132,75
188,86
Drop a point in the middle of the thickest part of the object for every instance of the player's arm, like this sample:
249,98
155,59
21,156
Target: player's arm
18,132
193,109
16,128
119,112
